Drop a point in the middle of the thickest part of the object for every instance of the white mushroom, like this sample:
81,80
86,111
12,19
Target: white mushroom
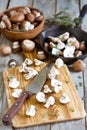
61,45
40,96
46,89
38,62
70,40
28,61
69,51
31,73
53,73
64,98
13,83
31,111
55,51
50,101
2,25
56,85
59,62
22,68
17,93
64,36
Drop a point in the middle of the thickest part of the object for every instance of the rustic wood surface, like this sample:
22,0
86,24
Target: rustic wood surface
49,7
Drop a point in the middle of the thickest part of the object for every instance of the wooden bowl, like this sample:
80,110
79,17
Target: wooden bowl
21,35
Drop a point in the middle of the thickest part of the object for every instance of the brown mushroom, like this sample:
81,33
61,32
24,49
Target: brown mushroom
40,18
30,17
78,66
6,50
17,18
76,44
16,47
22,10
41,55
27,45
7,21
82,46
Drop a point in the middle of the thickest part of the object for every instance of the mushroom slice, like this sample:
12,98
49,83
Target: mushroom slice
47,89
13,83
50,101
64,98
40,96
17,93
53,73
69,51
28,61
38,62
56,85
59,62
64,36
31,111
22,68
71,40
31,73
55,51
61,45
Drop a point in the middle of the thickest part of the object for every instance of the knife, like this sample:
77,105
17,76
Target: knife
33,88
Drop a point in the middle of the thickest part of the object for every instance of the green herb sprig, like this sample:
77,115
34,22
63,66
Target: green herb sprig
62,18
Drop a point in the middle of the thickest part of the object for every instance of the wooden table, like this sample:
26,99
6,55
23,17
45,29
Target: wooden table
49,7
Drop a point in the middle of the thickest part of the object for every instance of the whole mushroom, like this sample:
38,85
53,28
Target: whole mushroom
6,50
78,66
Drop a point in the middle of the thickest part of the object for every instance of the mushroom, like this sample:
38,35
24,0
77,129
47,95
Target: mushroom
2,25
41,55
7,22
23,10
15,27
61,45
27,45
12,63
16,47
39,18
50,101
30,17
53,73
78,66
31,111
16,93
78,53
69,51
46,89
6,50
38,62
64,98
28,61
59,62
30,73
17,17
64,36
82,46
22,68
54,39
56,85
13,83
55,51
26,26
40,96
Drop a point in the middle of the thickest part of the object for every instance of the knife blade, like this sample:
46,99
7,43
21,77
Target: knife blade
34,87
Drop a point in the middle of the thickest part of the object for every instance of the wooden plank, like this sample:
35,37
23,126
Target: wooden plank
3,5
14,3
47,6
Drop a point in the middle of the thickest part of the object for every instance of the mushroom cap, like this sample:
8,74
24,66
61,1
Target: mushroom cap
49,101
59,62
64,98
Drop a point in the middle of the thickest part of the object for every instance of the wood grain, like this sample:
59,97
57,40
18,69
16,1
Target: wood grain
55,113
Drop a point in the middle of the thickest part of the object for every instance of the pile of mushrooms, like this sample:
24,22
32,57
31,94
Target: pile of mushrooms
21,18
64,45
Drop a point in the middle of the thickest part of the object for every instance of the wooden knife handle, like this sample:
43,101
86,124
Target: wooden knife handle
7,118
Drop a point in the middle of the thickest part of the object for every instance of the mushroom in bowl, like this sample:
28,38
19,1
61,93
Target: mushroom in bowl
64,42
23,22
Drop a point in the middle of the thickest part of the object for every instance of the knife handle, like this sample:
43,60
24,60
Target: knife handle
7,118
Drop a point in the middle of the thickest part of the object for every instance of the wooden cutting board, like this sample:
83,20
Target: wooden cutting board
56,113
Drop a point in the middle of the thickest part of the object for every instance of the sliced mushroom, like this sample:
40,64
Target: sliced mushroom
56,85
53,73
13,83
61,45
38,62
17,93
41,55
40,96
64,98
64,36
59,62
50,101
69,51
12,63
31,111
16,47
46,89
78,53
28,61
26,26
